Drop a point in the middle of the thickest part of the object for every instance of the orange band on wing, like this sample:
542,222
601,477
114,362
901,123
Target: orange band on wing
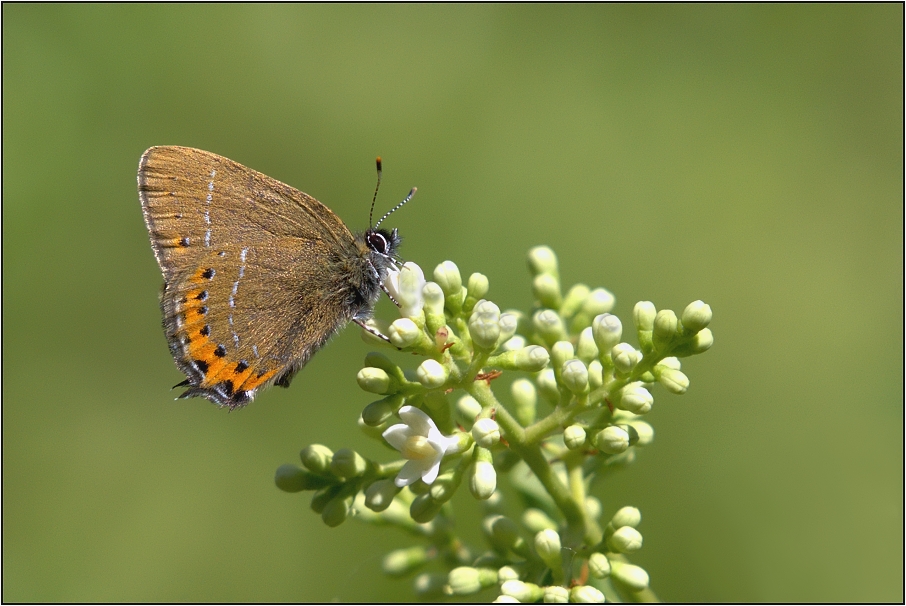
252,383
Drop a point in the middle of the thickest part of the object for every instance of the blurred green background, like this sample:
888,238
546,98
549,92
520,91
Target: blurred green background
750,156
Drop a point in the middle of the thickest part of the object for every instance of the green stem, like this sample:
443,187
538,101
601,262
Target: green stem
573,461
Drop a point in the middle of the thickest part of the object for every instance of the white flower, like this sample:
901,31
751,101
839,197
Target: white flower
419,440
406,287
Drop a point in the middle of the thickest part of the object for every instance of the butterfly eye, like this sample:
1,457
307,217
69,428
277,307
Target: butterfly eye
377,242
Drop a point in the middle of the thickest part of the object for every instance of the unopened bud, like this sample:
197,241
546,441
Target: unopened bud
347,463
431,374
630,575
665,324
696,316
542,260
612,440
586,594
574,437
625,539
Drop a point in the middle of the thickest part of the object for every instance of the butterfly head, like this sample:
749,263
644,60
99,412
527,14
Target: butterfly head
383,243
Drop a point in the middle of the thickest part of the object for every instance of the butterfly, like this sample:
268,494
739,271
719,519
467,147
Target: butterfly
257,274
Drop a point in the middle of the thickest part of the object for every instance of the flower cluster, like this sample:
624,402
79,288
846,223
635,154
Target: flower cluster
575,414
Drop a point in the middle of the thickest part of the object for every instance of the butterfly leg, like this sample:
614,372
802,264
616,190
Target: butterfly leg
373,330
380,281
389,296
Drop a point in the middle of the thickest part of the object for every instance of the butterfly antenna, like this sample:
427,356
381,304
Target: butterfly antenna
376,187
397,207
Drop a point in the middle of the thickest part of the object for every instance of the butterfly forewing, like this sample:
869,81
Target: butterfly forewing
194,200
248,294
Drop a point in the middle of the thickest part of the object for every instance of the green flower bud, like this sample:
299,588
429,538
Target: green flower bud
625,539
586,349
561,352
525,593
626,516
598,565
347,463
316,458
502,531
403,332
547,544
696,316
505,599
379,360
630,575
486,432
607,331
379,495
549,325
448,278
482,479
336,511
291,478
531,359
429,584
702,341
375,380
625,357
595,374
670,362
696,344
477,288
515,343
665,324
467,410
368,430
536,520
575,376
644,431
508,325
643,314
465,580
379,411
400,562
554,594
593,508
424,508
321,498
547,385
374,326
586,594
484,325
635,398
612,440
546,289
633,435
542,260
507,573
599,301
674,380
525,398
574,300
444,487
574,437
434,298
431,374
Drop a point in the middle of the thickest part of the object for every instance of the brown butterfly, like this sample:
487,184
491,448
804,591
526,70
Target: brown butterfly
257,274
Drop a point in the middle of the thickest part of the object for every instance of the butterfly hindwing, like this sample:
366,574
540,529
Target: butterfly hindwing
242,321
